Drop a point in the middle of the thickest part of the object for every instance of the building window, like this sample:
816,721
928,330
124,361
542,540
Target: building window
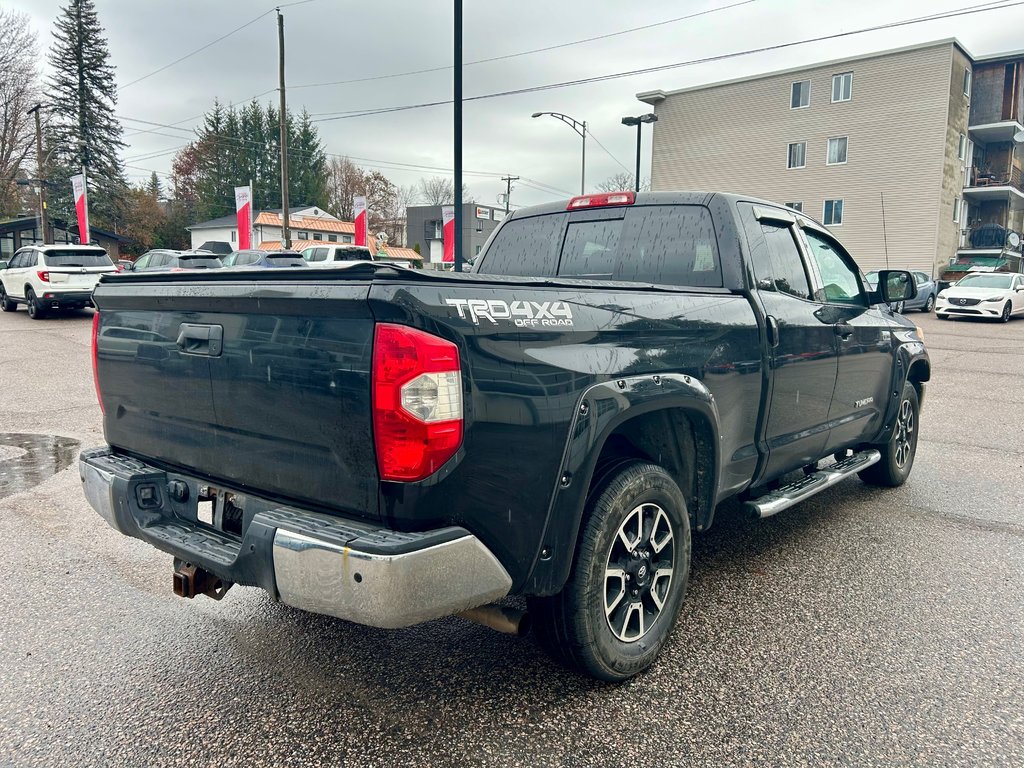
797,155
332,238
956,209
477,252
795,206
800,95
346,238
967,82
832,216
836,151
962,149
233,233
317,236
842,87
303,236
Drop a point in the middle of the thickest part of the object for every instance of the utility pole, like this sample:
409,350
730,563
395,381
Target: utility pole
457,99
508,189
286,238
40,175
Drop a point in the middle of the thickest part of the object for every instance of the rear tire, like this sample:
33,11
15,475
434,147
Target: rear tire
35,309
898,453
6,304
628,580
929,305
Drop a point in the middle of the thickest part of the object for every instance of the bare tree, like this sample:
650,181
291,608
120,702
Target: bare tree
19,91
344,181
623,181
439,190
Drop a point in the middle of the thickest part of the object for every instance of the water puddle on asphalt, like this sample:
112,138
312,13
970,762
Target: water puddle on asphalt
28,460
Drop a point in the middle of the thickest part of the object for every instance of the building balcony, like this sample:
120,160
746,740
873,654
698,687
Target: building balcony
995,133
990,239
987,184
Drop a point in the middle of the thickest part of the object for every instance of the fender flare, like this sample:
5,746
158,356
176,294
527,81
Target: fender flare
600,410
910,357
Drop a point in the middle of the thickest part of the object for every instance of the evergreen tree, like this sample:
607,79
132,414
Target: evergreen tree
83,129
307,185
154,189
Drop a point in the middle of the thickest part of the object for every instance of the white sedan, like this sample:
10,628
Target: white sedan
988,294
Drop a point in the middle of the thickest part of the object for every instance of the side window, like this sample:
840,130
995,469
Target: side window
526,247
143,261
778,264
841,285
922,278
164,260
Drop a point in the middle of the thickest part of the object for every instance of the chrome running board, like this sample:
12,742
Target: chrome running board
793,493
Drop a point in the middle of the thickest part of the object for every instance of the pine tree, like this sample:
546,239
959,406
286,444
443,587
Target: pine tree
83,129
154,189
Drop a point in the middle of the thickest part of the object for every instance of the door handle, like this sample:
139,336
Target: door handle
772,327
195,339
843,330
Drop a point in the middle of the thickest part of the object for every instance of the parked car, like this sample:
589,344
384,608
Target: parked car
403,445
164,260
333,255
997,295
216,247
48,277
927,290
255,259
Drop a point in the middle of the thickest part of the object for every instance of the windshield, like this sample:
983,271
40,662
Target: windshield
985,281
71,258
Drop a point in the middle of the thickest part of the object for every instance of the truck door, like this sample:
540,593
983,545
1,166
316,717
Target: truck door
802,349
863,343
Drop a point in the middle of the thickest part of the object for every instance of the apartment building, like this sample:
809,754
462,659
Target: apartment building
877,147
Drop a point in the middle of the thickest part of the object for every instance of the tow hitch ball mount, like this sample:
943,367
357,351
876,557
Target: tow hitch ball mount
191,580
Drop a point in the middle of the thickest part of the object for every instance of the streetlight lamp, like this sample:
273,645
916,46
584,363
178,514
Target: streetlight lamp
638,121
581,129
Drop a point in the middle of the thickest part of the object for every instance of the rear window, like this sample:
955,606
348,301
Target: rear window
77,259
667,244
286,261
198,262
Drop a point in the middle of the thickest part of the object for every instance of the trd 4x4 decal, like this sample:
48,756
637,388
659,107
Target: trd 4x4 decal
524,314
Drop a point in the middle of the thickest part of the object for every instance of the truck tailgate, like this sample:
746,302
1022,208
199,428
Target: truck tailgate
265,384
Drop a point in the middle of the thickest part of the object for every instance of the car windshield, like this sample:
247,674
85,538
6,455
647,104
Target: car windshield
70,258
985,281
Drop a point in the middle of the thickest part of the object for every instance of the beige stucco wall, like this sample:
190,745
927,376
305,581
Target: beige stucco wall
734,137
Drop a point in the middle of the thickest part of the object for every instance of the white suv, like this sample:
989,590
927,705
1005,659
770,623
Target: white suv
45,277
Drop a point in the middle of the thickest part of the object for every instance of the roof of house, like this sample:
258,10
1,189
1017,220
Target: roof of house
273,218
311,223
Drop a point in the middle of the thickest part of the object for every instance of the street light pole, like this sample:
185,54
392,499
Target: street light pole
40,162
638,121
581,128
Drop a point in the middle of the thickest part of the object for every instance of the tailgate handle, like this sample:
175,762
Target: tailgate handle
195,339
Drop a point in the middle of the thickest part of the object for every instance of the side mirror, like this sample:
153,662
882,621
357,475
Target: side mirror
4,264
896,285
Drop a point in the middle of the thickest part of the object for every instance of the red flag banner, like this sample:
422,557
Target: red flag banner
81,206
243,208
359,206
448,230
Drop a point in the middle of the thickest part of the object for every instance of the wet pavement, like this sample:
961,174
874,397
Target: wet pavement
864,627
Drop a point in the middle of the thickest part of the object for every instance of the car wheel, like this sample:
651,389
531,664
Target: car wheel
1004,316
929,305
35,311
628,580
6,304
898,453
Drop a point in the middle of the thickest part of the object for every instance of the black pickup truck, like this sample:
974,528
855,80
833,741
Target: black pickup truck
389,445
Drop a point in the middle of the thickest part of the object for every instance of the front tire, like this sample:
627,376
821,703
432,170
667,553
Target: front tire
629,577
6,304
898,453
35,309
1004,316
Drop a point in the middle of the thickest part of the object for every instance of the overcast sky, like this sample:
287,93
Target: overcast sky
331,40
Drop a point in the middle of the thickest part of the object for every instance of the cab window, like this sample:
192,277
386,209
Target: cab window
840,284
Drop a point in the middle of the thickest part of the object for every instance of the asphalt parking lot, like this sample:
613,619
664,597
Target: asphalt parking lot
864,627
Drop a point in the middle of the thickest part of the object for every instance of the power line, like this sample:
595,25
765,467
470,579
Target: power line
675,65
602,146
531,51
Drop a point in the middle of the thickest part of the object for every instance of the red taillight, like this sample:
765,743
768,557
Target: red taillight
119,267
417,402
95,358
602,200
44,276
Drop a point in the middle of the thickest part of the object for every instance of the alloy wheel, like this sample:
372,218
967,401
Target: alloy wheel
1005,316
639,571
903,434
